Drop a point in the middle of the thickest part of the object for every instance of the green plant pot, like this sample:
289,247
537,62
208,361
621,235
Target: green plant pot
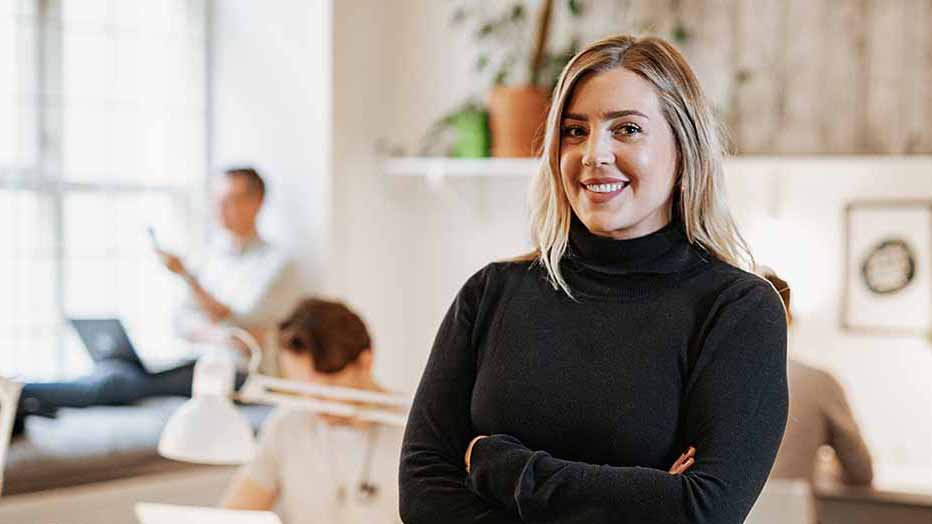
471,128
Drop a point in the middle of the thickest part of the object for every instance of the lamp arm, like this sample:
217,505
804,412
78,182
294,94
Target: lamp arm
255,351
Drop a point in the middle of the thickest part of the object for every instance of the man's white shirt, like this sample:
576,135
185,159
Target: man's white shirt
257,282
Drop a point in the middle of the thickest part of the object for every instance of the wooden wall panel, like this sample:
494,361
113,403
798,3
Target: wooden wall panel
801,92
809,76
844,77
709,46
918,94
887,76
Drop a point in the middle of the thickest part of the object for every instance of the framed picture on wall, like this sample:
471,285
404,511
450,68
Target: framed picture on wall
888,267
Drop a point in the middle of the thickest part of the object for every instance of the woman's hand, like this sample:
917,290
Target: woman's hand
469,450
683,463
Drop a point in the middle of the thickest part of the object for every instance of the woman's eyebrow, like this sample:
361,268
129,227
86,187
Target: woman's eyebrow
608,115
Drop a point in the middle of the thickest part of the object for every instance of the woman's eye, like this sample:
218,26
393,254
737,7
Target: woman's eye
628,129
573,131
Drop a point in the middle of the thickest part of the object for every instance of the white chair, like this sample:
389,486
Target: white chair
784,501
9,396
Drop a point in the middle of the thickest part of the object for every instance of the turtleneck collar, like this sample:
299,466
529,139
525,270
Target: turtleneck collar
661,252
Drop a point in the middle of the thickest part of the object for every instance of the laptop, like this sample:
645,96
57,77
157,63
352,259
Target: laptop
172,514
106,339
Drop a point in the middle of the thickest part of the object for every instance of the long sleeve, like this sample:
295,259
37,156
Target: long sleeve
844,437
432,478
734,414
258,293
188,320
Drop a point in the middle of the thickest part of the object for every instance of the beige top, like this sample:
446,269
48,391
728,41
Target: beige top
819,415
318,470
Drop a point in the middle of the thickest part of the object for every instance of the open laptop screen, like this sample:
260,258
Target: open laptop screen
105,339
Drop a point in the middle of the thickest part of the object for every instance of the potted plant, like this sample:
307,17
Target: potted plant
517,112
523,71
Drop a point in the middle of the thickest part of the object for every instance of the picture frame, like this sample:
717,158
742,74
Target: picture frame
888,268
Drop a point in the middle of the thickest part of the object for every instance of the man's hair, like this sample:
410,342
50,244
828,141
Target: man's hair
251,176
330,332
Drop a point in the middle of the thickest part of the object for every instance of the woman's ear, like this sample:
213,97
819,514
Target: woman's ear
295,366
365,360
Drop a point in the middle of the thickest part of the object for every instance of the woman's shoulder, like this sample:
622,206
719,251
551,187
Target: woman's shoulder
498,273
284,421
736,288
727,276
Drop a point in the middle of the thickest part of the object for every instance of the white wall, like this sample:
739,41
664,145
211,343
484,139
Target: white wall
400,249
271,80
792,210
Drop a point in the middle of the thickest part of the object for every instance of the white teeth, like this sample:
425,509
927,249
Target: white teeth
606,188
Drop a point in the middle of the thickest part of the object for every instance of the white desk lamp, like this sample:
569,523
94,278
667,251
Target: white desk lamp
9,397
208,429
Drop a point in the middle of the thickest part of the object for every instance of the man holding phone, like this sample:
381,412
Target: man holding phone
240,280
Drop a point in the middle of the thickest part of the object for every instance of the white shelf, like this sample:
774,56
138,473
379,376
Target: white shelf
439,167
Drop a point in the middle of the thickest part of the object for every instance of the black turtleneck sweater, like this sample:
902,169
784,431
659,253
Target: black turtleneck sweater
590,401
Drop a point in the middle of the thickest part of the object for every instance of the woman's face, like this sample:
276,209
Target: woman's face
617,155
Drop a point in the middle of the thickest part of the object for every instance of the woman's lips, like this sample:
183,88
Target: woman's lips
601,191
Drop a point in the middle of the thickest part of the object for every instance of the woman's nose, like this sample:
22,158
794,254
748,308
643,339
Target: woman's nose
598,152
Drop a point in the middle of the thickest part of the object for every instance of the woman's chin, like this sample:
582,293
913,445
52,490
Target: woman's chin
605,226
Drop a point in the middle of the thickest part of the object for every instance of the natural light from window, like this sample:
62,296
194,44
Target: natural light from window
102,134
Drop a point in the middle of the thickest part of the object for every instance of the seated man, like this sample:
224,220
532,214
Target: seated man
241,281
316,467
819,415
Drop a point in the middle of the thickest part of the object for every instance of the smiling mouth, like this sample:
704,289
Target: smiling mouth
606,188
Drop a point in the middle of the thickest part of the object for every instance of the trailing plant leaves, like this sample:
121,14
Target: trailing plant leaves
482,62
485,30
680,34
459,16
575,7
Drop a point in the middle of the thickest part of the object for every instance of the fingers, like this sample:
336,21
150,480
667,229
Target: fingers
684,462
468,456
680,469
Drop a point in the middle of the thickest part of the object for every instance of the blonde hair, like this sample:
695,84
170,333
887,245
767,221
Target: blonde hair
699,188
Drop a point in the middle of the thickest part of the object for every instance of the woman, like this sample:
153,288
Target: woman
316,467
561,385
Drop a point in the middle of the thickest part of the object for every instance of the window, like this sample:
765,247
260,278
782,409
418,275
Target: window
102,135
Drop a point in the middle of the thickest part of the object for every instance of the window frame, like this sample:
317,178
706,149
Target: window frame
45,176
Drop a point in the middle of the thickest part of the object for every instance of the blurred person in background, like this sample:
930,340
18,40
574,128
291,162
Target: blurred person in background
819,416
240,280
318,467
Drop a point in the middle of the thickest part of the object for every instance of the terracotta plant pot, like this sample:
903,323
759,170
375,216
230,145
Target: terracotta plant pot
516,120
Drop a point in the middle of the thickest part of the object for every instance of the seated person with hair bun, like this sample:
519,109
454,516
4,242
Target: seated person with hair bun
318,467
819,416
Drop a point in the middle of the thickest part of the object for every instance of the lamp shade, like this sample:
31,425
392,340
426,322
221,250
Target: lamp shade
208,429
